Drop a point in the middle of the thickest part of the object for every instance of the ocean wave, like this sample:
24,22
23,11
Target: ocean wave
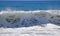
9,17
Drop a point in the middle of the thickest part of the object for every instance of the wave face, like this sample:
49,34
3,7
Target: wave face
12,18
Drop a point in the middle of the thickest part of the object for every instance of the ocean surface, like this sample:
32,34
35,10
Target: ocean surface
29,24
30,5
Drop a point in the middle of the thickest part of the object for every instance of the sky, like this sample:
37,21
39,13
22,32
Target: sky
29,0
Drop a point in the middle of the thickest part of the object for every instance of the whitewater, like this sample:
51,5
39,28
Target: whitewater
29,23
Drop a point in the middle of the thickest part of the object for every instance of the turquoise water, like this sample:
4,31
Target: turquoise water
30,5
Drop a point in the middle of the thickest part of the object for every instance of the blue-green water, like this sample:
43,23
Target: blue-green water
30,5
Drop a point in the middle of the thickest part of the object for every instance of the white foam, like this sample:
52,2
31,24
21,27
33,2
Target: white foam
29,11
49,30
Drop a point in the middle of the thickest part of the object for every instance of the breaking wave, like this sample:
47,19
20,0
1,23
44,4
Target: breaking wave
18,18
